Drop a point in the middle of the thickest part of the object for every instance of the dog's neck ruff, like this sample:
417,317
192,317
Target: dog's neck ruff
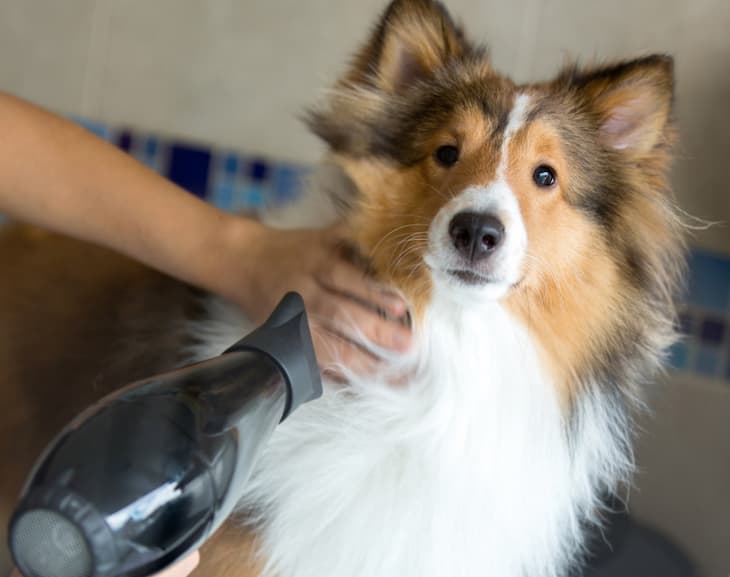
466,470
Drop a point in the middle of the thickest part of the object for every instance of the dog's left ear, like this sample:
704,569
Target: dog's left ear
633,101
411,41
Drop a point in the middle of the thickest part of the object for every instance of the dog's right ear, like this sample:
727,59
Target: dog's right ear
633,103
412,40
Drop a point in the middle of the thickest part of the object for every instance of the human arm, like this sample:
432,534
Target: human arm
57,175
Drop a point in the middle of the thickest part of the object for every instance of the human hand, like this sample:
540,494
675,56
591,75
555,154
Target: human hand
181,568
354,320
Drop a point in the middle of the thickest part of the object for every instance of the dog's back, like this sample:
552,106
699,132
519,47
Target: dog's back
76,321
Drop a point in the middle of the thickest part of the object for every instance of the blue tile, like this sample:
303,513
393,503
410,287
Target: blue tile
709,284
189,167
125,141
101,130
287,184
686,323
230,164
258,170
223,196
151,147
679,356
148,150
707,361
712,331
239,202
255,197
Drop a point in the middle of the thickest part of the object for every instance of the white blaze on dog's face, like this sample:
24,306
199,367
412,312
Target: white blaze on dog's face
477,241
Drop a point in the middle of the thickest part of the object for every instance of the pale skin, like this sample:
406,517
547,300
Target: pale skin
57,175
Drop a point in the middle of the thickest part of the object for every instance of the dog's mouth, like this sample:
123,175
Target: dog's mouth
470,277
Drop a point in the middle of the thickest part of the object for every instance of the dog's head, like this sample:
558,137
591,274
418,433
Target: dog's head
549,197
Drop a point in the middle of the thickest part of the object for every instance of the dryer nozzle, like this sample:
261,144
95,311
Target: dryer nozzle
148,473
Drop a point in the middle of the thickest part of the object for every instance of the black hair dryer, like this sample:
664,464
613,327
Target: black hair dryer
148,473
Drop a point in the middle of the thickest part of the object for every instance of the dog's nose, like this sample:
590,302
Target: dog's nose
476,235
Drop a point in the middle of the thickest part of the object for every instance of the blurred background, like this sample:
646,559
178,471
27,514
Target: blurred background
209,93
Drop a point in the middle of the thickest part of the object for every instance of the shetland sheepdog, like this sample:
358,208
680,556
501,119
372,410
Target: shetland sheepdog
533,231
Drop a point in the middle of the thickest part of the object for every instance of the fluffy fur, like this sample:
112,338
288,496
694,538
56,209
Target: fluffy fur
467,471
514,417
486,450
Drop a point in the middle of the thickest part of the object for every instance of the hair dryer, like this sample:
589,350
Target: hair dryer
148,473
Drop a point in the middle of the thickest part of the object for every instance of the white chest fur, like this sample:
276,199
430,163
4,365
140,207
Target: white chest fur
465,471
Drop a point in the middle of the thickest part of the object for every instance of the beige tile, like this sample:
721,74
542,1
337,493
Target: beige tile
683,486
240,73
237,73
498,24
44,49
702,48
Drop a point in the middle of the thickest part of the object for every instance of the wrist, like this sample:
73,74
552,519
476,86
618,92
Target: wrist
236,260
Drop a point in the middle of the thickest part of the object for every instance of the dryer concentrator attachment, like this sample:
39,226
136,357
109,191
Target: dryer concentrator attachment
147,474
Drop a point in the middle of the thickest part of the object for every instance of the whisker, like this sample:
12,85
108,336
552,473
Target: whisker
384,238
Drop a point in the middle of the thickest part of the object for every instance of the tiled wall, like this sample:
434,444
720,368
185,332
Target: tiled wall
705,318
230,180
251,184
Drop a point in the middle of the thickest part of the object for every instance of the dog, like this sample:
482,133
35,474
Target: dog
533,230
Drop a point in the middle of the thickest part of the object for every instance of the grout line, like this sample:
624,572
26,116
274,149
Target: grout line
96,60
525,57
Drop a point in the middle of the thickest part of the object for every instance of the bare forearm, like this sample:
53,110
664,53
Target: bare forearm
57,175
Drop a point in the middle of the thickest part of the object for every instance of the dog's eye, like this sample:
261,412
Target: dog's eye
446,155
544,176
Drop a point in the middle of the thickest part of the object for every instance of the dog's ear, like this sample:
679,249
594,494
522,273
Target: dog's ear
633,101
412,40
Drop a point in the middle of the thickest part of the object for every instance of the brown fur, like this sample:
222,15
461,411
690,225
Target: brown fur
77,321
605,247
396,205
604,257
231,552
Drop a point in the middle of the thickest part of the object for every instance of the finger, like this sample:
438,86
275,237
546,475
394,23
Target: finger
348,280
337,355
361,325
181,568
